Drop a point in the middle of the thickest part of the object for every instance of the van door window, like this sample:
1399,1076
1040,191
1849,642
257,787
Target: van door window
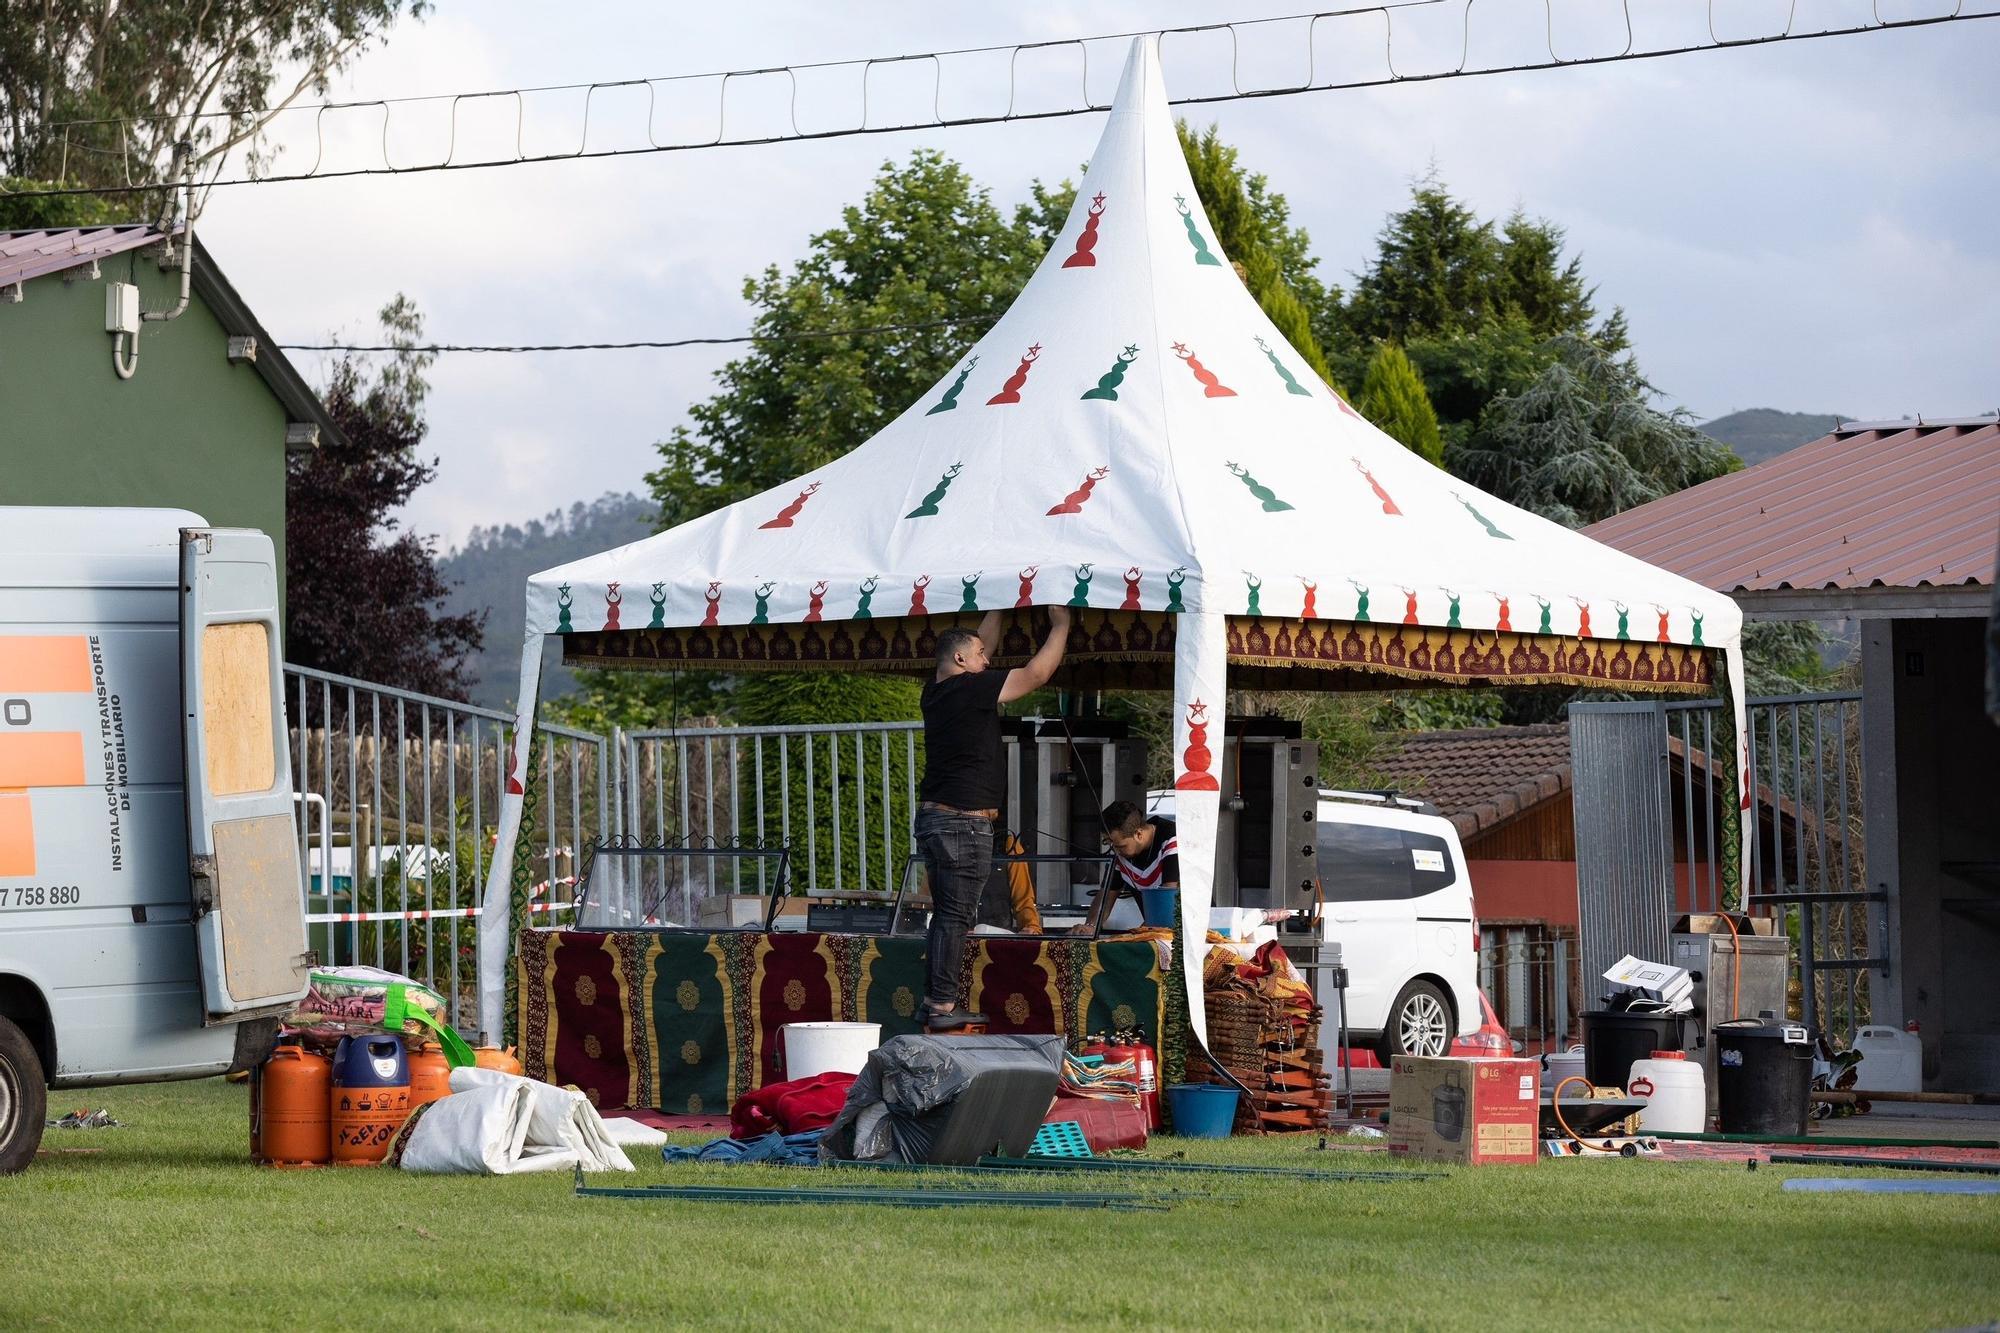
1362,862
1430,863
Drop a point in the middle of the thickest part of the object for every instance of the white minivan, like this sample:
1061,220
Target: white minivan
152,924
1399,904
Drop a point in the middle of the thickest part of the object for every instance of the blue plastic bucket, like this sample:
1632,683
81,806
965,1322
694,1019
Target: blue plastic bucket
1160,907
1202,1110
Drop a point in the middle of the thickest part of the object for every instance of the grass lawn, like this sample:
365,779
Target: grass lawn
169,1226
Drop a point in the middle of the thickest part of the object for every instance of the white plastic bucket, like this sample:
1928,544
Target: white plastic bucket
1891,1060
821,1048
1676,1095
1559,1065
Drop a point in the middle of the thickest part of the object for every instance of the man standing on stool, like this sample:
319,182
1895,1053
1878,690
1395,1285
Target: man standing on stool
958,804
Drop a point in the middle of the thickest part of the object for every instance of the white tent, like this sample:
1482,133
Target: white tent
1133,438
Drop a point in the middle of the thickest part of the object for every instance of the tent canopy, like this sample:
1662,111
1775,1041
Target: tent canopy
1135,439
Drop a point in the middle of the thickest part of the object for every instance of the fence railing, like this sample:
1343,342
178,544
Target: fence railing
1535,983
398,796
1805,773
842,797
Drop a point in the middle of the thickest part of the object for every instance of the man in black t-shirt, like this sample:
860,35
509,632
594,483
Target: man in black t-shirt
958,803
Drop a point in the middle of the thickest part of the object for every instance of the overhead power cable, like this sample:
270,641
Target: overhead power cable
715,129
802,336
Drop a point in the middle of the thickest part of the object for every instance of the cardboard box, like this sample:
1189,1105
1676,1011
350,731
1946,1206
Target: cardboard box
1474,1111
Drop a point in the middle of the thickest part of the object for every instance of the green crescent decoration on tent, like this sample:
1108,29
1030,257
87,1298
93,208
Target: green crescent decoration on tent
1291,385
1272,504
930,503
763,613
1202,255
562,611
950,399
861,611
1451,617
1548,629
659,599
1175,578
970,583
1107,385
1360,602
1080,595
1484,521
1254,585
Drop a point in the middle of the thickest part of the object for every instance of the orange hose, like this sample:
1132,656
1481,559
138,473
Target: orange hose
1555,1104
1736,968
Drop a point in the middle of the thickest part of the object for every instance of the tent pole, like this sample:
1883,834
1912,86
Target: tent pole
496,926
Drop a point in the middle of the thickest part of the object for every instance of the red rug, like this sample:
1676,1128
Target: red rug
674,1124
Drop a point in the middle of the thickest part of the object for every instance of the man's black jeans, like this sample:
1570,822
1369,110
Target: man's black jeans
958,851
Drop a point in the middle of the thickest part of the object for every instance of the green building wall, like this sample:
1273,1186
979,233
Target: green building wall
190,430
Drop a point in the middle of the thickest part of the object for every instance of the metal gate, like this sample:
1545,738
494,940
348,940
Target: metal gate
398,795
1650,784
842,797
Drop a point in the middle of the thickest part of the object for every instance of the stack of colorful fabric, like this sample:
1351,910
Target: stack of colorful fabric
1264,1030
1101,1080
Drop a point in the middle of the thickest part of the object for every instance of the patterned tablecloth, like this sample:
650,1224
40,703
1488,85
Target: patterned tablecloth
687,1023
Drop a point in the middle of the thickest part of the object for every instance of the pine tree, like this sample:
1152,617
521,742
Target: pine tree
1393,397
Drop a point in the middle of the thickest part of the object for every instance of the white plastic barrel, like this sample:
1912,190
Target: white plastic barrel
1559,1065
1675,1092
1891,1060
821,1048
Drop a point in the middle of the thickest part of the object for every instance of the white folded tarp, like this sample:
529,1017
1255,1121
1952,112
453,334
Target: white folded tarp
499,1124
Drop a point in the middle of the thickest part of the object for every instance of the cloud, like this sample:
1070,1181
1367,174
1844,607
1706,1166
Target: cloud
1800,226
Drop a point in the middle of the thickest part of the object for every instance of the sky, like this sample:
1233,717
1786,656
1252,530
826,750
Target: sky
1804,226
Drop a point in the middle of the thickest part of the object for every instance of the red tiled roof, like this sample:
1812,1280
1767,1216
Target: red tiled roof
1877,506
1480,776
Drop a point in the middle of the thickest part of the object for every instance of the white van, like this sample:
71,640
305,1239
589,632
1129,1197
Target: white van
1399,903
151,920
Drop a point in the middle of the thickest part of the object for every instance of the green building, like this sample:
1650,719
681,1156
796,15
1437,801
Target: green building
203,422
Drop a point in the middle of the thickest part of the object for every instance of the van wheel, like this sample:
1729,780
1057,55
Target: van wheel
1419,1022
24,1099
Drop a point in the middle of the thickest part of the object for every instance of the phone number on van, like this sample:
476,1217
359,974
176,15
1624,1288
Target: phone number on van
37,895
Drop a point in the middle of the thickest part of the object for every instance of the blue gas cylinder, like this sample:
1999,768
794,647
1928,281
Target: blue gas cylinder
370,1097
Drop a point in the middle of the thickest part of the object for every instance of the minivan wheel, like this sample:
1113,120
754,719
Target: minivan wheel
1419,1022
24,1099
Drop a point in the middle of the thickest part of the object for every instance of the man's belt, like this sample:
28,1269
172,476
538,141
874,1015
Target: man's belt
941,807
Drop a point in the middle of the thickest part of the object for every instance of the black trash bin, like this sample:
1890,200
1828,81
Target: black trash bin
1763,1076
1613,1039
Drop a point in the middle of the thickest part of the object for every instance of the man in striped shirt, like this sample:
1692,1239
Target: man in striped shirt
1144,849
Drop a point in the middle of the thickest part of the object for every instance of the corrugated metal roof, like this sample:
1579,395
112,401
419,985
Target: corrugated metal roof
1885,505
30,254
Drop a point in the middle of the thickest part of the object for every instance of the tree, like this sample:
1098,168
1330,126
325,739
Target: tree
1393,398
361,599
94,93
1474,305
1581,442
925,244
1253,226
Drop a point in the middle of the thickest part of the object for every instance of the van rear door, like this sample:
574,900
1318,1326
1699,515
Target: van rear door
243,852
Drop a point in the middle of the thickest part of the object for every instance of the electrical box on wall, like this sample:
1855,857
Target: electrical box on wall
121,308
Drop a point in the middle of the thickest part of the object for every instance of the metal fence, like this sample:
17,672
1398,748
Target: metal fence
1806,818
1534,979
841,797
398,795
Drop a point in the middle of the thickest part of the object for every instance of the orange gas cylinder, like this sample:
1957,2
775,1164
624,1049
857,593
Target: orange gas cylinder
291,1126
370,1098
430,1075
492,1057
